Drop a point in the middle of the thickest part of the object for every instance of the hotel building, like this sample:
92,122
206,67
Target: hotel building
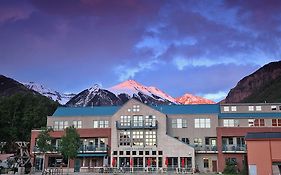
193,138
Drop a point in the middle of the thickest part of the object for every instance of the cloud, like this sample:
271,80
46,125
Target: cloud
14,11
126,72
218,96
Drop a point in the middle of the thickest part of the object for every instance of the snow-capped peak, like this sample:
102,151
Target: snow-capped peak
132,87
192,99
94,88
62,98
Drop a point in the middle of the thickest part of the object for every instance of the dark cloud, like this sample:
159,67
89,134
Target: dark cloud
80,42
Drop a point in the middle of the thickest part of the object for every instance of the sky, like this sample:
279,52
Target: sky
180,46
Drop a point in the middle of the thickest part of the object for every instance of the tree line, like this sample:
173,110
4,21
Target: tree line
19,114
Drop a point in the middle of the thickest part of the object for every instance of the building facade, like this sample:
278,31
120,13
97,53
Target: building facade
200,138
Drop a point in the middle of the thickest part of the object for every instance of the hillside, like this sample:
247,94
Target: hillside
21,110
261,86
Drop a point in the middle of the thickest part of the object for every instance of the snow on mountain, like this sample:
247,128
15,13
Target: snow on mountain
121,93
192,99
94,96
62,98
132,87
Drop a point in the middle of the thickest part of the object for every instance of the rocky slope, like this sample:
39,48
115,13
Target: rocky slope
261,86
62,98
9,87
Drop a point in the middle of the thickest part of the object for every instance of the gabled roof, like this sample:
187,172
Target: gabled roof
250,115
86,111
188,109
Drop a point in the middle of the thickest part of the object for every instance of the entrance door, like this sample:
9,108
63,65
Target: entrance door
77,165
214,165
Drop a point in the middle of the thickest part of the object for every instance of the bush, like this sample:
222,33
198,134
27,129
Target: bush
230,168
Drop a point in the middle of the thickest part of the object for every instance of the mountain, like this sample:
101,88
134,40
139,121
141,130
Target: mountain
192,99
121,93
21,109
9,87
261,86
62,98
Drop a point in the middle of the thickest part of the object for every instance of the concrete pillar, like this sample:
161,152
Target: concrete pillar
91,162
157,162
118,162
83,163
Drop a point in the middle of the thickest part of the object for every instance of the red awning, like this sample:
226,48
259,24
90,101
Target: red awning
182,162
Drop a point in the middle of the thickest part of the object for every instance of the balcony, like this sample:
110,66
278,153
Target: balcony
55,149
82,149
137,125
234,148
205,149
92,149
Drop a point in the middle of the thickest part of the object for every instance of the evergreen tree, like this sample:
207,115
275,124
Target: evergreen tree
70,144
44,141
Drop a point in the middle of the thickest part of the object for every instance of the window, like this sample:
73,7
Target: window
140,152
125,120
160,152
153,152
197,141
179,123
60,125
101,124
77,124
121,152
258,108
229,122
146,152
150,120
256,122
233,108
202,123
114,152
273,108
138,138
226,108
251,108
240,141
276,122
150,138
138,120
230,140
136,108
185,140
124,138
207,140
134,153
206,162
127,153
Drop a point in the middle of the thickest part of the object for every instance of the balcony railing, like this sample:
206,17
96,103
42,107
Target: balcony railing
233,148
82,149
205,148
137,125
91,148
55,149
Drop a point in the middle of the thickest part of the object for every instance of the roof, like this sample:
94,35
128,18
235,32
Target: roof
86,111
263,135
188,109
250,115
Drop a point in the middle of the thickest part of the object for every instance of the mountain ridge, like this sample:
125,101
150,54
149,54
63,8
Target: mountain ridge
261,86
122,92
